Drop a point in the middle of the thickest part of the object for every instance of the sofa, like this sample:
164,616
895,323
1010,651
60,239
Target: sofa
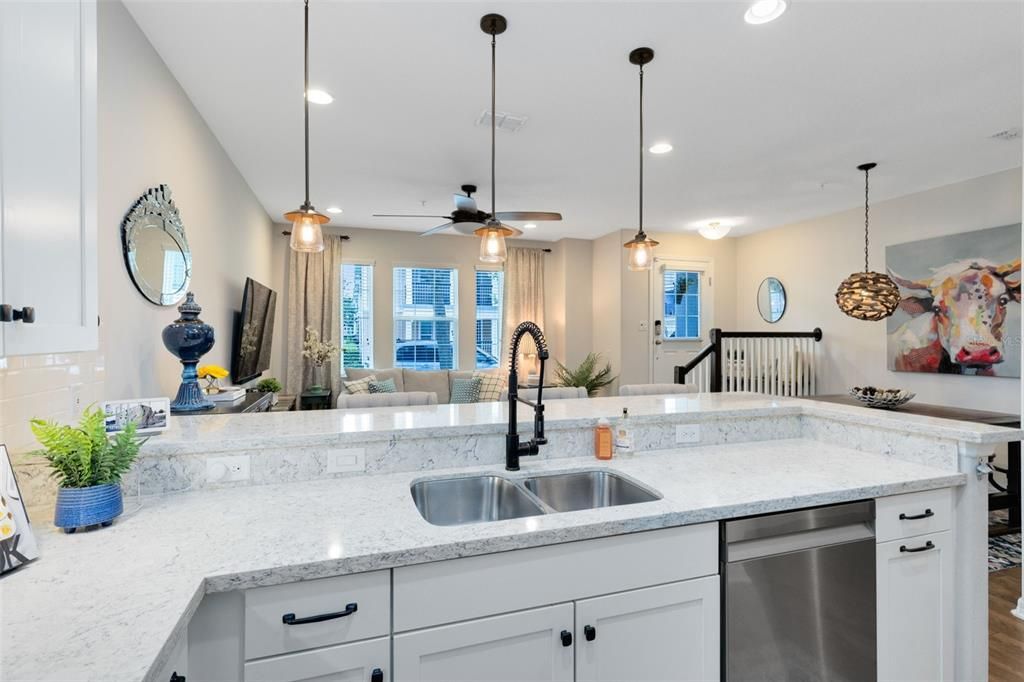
412,380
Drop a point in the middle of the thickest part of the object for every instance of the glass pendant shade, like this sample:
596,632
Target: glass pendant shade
641,252
492,243
868,296
307,235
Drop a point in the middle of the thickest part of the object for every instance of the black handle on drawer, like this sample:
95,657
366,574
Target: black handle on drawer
377,675
290,619
590,632
928,513
175,677
9,313
566,638
923,548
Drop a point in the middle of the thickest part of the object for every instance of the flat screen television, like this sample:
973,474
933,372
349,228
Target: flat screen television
254,332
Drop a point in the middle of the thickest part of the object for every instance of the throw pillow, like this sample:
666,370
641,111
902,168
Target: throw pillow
465,391
360,386
386,386
491,385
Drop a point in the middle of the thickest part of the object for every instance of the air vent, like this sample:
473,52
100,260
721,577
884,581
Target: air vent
504,120
1008,135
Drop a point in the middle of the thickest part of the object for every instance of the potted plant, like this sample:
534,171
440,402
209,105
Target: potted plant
88,465
319,353
587,374
270,385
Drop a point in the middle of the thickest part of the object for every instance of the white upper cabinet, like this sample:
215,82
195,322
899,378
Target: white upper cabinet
48,175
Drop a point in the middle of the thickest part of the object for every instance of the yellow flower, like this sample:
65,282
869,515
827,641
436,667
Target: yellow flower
214,371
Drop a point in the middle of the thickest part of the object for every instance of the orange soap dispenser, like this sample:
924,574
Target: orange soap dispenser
603,439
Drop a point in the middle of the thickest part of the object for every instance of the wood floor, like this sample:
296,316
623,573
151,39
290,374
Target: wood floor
1005,632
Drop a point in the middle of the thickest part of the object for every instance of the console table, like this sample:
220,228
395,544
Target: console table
1007,497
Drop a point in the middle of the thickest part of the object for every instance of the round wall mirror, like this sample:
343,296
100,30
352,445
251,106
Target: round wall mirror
771,300
155,249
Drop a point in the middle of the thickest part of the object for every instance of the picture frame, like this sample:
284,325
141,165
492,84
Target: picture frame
17,541
151,414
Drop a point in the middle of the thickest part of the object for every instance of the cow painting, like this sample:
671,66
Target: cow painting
954,319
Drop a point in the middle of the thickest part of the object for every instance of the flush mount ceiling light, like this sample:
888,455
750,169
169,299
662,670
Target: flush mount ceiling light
492,234
641,247
307,236
660,148
716,229
333,209
319,97
763,11
869,296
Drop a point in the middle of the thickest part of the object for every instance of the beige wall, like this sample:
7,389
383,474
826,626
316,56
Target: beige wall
569,301
607,281
149,133
812,257
386,249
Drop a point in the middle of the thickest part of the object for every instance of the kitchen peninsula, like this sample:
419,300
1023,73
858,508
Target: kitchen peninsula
324,516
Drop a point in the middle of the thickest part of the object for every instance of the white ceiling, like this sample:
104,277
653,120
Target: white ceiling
769,122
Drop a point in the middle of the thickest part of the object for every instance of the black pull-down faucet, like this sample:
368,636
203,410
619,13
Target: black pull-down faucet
513,448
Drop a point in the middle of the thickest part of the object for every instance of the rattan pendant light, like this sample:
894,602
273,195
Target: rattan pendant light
869,296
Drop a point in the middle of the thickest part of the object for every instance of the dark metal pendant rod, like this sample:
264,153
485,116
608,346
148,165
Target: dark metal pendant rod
494,114
641,217
305,94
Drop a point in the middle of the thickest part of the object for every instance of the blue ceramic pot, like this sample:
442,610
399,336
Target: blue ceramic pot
77,507
189,338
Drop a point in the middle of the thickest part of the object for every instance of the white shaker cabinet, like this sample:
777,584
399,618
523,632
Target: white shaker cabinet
359,662
48,175
525,646
667,633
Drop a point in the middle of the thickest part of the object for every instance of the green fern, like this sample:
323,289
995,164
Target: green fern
587,374
84,456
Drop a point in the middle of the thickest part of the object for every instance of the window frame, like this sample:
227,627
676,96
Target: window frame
476,315
372,291
454,305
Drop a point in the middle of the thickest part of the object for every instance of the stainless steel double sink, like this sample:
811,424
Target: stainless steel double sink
476,499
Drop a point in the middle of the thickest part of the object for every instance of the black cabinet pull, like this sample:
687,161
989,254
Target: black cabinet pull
9,313
175,677
290,619
590,632
377,675
923,548
566,638
928,513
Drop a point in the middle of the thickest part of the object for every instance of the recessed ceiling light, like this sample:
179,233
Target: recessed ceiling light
763,11
660,148
333,209
530,226
320,97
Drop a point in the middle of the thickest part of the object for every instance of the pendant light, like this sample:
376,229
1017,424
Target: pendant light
641,247
307,236
867,295
492,234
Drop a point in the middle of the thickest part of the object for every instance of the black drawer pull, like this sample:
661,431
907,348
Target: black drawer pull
923,548
290,619
566,638
377,675
9,313
590,632
928,513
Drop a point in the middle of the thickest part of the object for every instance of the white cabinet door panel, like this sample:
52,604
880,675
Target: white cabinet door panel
517,647
915,608
663,634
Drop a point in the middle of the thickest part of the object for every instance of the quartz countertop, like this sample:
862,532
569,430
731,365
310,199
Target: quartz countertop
108,605
202,434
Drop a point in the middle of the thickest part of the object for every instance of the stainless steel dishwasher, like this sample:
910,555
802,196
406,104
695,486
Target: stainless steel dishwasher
799,598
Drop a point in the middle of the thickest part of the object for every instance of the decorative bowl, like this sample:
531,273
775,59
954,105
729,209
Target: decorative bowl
884,398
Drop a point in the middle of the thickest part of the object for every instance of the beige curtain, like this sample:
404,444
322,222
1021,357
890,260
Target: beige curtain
524,300
314,300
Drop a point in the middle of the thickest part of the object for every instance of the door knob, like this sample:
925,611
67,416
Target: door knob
377,675
590,632
566,638
9,313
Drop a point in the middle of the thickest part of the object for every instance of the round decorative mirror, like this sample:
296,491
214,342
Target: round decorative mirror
155,249
771,300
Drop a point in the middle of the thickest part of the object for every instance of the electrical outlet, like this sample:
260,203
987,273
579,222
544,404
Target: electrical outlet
76,401
345,460
227,469
688,433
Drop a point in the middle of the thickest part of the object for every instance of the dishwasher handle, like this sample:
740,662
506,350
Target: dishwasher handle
743,550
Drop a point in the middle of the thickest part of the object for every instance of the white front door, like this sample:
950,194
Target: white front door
681,313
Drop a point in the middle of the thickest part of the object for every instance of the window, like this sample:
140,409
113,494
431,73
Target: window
489,287
356,315
426,316
681,307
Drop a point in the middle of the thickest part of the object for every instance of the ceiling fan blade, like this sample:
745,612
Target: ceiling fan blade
409,215
528,215
435,229
464,203
516,232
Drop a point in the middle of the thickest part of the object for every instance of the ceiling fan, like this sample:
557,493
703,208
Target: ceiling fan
467,218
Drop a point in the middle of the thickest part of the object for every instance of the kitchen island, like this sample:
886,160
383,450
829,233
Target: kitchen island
124,603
